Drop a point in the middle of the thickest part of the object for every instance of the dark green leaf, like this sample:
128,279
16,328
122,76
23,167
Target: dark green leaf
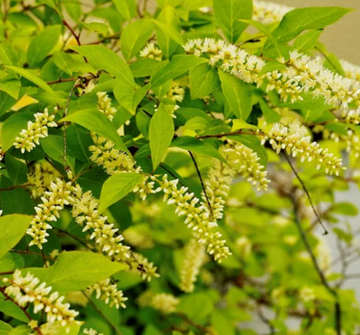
203,81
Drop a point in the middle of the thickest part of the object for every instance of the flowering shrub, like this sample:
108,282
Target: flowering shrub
169,167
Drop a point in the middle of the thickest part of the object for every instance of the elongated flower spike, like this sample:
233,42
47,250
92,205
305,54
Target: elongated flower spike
295,141
28,290
54,199
241,161
30,137
193,259
107,291
301,74
104,105
198,217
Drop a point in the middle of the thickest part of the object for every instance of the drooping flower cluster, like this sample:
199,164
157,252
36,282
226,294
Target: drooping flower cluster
193,259
151,51
296,142
301,73
30,137
165,303
176,92
116,161
106,236
41,175
241,161
351,70
351,116
139,236
54,199
28,290
104,105
198,217
107,291
269,12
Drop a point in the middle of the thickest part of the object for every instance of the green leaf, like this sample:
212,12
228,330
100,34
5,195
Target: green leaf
254,144
10,262
197,146
300,19
143,67
11,87
266,31
96,27
168,31
196,306
106,59
134,37
36,80
116,187
307,40
76,270
97,122
228,13
237,94
42,44
8,55
161,134
270,115
272,66
52,4
12,127
178,66
73,8
5,328
9,308
12,228
171,32
127,8
345,208
21,330
203,81
129,96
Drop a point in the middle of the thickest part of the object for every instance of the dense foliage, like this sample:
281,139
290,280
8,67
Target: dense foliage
171,170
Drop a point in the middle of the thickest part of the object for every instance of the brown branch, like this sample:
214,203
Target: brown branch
76,36
60,80
234,133
111,37
306,192
14,187
7,297
26,252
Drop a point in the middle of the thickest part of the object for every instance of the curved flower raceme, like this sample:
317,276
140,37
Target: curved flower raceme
198,217
193,259
104,105
241,161
86,213
30,137
296,142
109,292
28,289
54,199
165,303
106,236
301,73
351,70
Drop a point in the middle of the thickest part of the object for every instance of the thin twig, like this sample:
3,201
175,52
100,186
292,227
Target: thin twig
76,36
73,237
61,80
234,133
307,193
66,123
203,329
102,314
337,316
202,182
